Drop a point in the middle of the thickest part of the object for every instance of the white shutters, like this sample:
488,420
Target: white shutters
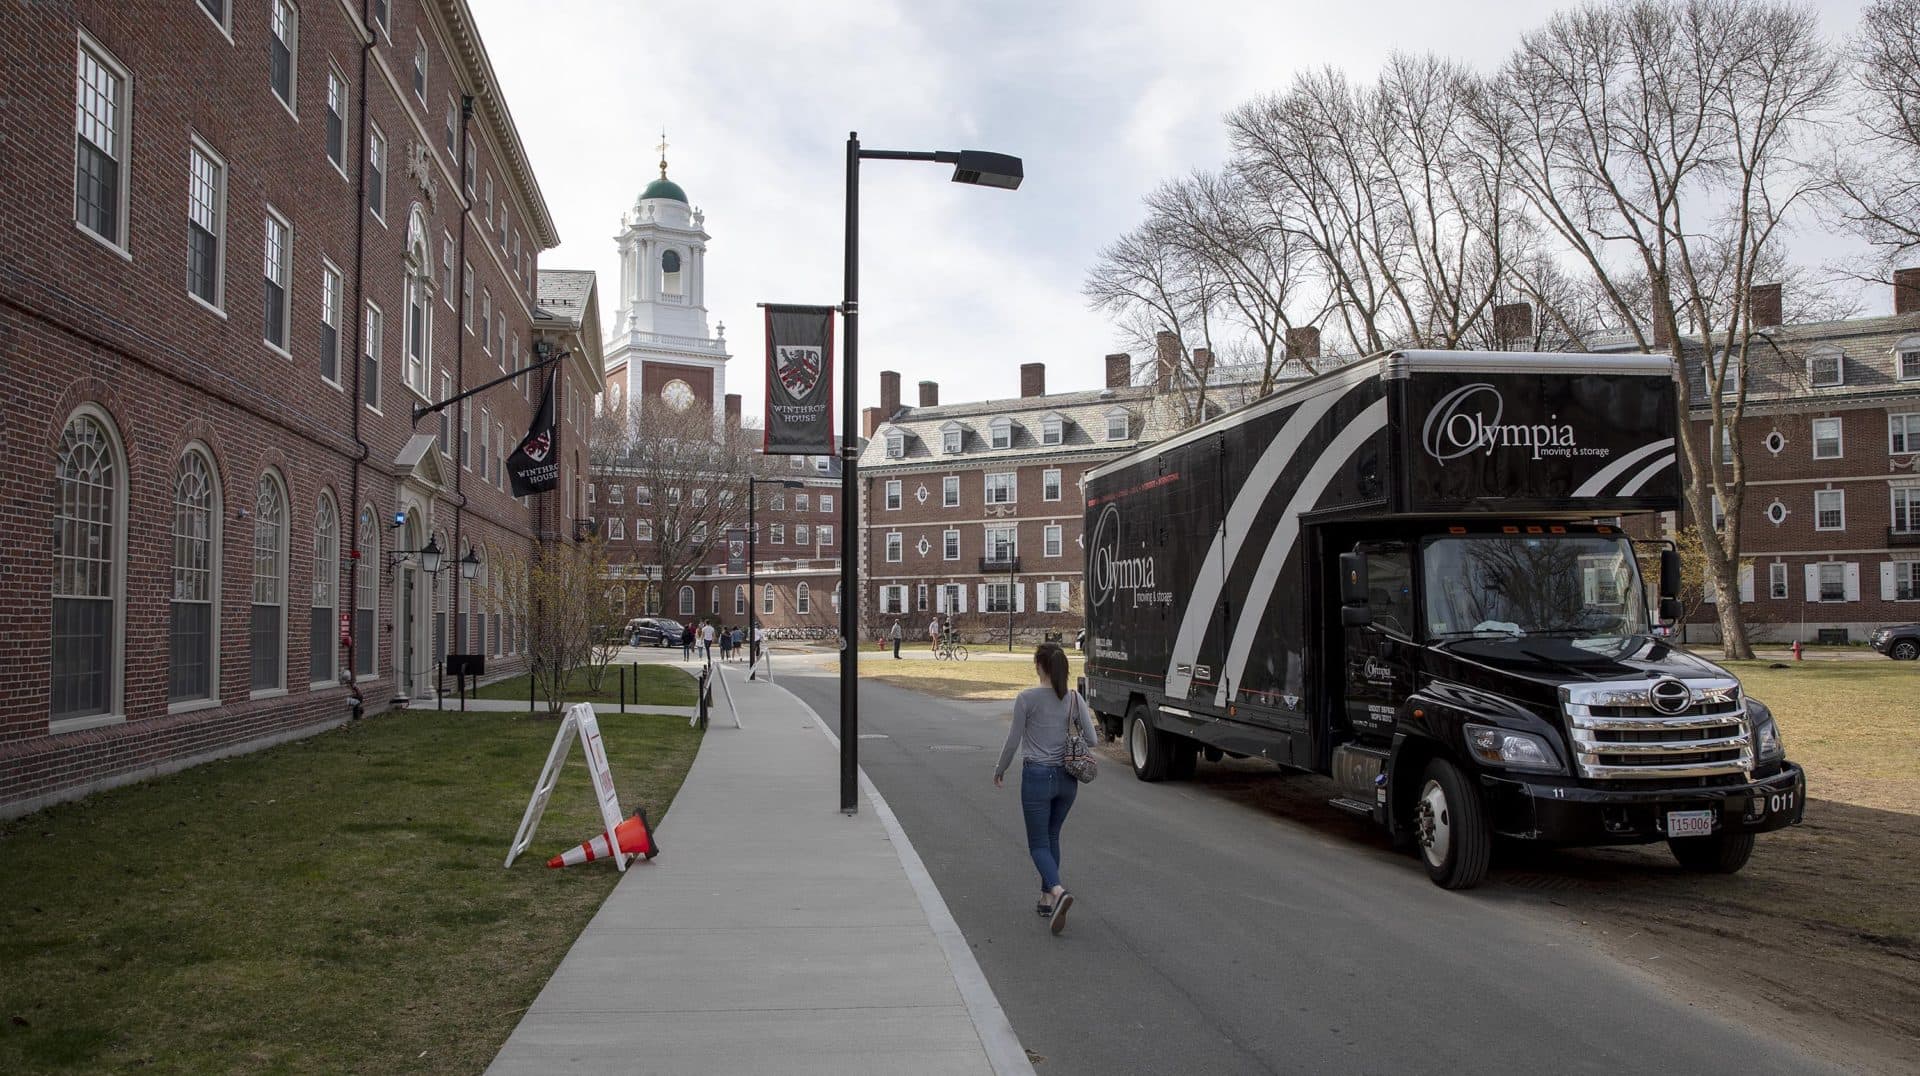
1813,582
1886,581
1853,581
1849,581
981,604
1746,582
1019,597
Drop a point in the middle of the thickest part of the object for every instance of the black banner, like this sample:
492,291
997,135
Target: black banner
799,381
736,550
535,463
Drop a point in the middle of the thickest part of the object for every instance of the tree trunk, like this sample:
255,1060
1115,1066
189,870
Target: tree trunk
1725,572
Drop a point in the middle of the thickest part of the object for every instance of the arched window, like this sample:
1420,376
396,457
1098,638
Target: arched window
802,599
419,338
739,600
716,601
269,638
88,554
766,600
670,273
196,566
686,601
322,648
366,607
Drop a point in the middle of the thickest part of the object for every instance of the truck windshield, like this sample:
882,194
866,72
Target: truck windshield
1577,586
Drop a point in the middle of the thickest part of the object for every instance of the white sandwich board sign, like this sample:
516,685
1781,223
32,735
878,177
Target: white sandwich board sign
578,720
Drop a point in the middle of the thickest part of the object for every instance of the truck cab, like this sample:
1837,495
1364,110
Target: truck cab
1505,678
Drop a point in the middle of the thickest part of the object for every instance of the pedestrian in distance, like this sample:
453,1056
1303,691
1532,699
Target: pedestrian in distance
894,634
726,644
707,635
1042,717
759,642
686,641
738,638
933,632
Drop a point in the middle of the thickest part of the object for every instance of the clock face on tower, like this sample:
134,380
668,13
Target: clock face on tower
677,394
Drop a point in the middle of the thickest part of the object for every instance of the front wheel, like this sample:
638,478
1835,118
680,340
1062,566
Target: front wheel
1450,828
1722,853
1904,650
959,653
1147,747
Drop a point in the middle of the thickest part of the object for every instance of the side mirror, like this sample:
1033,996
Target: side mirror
1353,579
1669,577
1670,610
1356,616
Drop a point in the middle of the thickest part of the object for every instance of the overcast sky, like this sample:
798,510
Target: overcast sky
959,284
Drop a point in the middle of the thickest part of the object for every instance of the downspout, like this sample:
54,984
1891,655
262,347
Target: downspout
459,625
354,642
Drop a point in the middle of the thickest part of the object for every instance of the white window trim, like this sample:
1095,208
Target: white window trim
953,533
1778,578
123,134
1913,438
950,482
286,578
1908,345
1840,369
1842,494
1059,484
1126,423
894,547
1893,497
1840,438
286,298
338,381
422,63
380,361
346,105
997,427
375,134
225,28
1013,492
1053,534
891,497
219,305
293,62
116,712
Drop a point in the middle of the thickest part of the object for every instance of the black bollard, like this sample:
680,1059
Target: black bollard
623,691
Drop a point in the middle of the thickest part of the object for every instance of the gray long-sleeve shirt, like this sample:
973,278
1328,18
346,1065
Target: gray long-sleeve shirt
1040,727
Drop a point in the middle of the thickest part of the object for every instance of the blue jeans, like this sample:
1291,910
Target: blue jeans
1046,795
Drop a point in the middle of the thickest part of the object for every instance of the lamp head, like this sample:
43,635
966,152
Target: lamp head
430,556
985,169
470,564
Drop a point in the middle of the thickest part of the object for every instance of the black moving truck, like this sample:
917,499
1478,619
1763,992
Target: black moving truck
1408,574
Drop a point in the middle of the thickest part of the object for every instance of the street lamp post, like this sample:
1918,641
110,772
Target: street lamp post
753,592
971,166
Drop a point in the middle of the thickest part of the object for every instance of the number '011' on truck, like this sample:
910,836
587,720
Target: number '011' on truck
1408,574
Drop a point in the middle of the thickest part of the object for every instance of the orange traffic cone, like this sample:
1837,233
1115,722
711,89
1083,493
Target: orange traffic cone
633,835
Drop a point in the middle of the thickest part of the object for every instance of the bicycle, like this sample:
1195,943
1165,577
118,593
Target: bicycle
947,651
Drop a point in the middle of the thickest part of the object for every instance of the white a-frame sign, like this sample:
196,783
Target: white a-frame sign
578,720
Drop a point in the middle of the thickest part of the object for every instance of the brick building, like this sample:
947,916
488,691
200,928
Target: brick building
972,511
1830,527
243,241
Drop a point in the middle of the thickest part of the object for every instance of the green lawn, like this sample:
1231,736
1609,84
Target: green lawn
1854,725
331,905
647,685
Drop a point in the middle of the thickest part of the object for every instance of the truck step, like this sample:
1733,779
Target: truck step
1359,807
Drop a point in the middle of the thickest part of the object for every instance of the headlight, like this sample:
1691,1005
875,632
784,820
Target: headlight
1510,749
1767,745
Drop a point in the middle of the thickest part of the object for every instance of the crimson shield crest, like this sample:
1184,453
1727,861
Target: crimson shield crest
798,368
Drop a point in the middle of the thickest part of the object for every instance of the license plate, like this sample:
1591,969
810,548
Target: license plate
1689,823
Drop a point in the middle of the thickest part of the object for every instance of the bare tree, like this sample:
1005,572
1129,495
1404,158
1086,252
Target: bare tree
559,594
1658,140
1876,178
1166,301
681,481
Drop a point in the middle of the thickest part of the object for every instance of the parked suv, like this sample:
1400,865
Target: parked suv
1901,642
653,631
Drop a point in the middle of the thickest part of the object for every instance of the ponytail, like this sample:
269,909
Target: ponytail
1051,661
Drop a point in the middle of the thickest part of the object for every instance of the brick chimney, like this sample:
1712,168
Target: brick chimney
1303,342
889,394
869,421
1119,370
1166,351
1203,363
1033,379
1763,306
929,394
1906,291
1513,322
733,414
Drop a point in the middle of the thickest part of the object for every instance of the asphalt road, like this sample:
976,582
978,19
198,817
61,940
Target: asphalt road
1211,938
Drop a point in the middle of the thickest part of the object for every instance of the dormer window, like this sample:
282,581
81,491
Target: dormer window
1906,359
1052,429
1119,424
1826,368
953,438
670,273
896,445
1001,430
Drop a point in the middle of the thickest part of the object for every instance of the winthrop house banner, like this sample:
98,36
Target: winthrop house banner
799,381
534,466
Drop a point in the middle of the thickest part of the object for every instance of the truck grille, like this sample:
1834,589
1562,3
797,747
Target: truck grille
1664,728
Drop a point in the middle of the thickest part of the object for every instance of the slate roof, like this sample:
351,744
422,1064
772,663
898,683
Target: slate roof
563,293
1779,376
1083,418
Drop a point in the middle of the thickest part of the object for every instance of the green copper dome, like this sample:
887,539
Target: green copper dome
664,188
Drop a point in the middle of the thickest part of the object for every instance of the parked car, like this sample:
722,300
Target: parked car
653,631
1901,642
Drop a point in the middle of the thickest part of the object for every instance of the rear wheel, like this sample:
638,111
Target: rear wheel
1904,650
1147,746
1450,828
1213,754
1722,853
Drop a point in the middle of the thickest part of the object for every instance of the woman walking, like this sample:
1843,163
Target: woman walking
1041,716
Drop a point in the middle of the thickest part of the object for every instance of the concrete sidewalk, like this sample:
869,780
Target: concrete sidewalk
772,935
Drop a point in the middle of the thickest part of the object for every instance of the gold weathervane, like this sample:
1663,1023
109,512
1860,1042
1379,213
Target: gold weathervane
662,147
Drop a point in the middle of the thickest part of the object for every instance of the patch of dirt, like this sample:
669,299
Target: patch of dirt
1817,941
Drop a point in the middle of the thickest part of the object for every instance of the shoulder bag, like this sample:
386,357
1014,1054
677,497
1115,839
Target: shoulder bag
1078,758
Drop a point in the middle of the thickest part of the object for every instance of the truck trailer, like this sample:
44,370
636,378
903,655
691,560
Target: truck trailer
1409,574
